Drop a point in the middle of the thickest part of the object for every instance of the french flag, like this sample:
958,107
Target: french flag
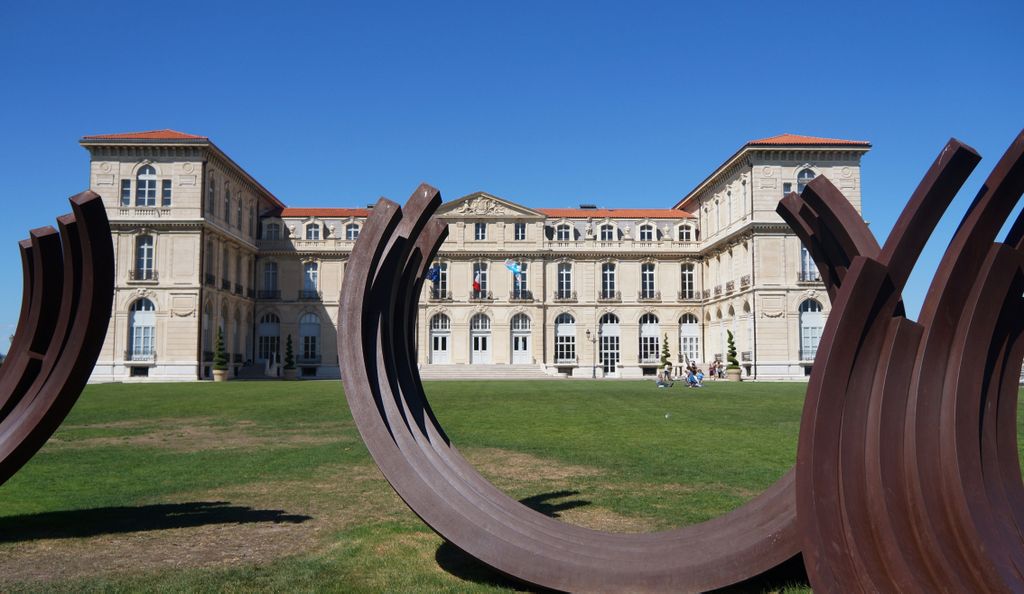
476,282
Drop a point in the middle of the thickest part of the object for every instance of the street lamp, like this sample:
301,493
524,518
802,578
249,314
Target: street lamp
593,339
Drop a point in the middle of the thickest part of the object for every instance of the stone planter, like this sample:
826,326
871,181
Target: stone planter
220,375
290,374
733,374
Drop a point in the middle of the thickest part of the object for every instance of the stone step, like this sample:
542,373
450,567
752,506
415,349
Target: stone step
483,372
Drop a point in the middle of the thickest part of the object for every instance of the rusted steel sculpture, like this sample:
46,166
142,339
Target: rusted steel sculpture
68,290
907,475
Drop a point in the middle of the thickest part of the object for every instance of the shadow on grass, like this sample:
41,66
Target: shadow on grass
464,566
790,574
115,520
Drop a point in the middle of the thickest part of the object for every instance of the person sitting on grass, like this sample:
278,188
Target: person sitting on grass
665,378
700,377
691,380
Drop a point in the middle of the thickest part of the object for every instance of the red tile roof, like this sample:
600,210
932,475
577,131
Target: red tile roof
791,139
620,213
147,135
325,212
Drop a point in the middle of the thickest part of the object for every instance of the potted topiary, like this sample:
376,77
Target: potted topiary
732,371
666,356
290,372
220,359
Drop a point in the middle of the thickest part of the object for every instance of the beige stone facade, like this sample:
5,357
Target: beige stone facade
202,247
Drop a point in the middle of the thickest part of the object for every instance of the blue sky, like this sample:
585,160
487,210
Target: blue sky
545,103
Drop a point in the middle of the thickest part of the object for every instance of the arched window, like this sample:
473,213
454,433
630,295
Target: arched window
808,268
649,334
520,322
309,334
803,178
352,231
685,233
608,284
565,338
646,233
563,232
689,338
142,330
144,258
563,289
687,284
310,280
609,348
440,339
268,337
480,322
272,231
313,231
440,322
145,186
647,285
607,232
811,324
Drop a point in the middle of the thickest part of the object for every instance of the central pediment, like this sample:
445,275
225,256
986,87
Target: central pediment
483,205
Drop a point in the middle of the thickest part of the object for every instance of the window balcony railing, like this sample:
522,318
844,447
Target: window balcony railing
718,290
210,280
309,295
268,294
706,293
746,356
207,356
730,286
807,354
437,295
225,284
480,296
564,297
522,296
250,293
565,361
809,276
648,360
649,296
143,275
144,355
609,296
237,358
308,358
688,296
238,289
744,281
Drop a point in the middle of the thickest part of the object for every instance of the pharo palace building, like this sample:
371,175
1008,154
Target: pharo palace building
202,247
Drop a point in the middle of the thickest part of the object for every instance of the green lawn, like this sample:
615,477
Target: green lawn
266,485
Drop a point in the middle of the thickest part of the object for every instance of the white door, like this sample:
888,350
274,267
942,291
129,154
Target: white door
480,351
521,354
439,348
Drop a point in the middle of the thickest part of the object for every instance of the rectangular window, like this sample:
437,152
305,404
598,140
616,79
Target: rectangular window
690,346
211,196
564,290
165,193
787,188
649,349
565,349
441,286
607,233
238,214
647,290
808,268
607,281
480,279
519,284
145,192
480,231
309,351
270,276
520,232
687,287
126,192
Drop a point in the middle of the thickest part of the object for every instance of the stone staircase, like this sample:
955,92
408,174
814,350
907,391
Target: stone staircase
484,372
